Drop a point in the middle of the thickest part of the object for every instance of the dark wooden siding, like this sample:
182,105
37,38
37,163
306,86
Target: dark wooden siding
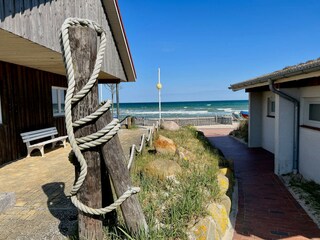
26,106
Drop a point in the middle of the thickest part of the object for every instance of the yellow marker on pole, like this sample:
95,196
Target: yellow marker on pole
159,86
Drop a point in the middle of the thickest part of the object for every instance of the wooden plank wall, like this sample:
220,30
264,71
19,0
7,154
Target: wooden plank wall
26,106
40,21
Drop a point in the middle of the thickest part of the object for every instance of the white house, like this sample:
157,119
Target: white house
284,118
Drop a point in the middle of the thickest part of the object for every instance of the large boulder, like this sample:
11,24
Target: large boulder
162,169
184,154
169,125
165,145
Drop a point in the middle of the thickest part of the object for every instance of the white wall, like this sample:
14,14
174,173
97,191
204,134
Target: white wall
255,121
276,134
268,124
284,125
261,127
309,151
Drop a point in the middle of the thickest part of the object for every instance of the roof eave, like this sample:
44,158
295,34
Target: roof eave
279,76
116,24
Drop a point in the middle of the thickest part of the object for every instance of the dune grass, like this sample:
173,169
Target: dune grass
242,131
171,206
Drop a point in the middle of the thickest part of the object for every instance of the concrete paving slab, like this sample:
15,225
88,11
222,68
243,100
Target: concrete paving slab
42,209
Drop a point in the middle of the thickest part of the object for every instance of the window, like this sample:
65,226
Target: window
271,107
0,112
58,98
311,116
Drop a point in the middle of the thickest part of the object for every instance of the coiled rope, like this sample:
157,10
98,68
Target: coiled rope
95,139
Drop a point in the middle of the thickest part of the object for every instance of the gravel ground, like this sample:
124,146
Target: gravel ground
302,197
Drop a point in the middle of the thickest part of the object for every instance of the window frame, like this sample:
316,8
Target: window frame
60,112
306,113
270,103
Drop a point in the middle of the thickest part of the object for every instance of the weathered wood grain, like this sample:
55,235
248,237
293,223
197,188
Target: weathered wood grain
114,159
40,21
83,44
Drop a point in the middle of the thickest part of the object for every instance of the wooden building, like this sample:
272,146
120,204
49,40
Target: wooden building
32,74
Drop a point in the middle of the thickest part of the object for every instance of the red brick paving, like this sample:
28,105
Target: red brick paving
266,209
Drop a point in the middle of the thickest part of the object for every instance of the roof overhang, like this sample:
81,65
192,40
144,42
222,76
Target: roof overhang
297,72
119,34
18,50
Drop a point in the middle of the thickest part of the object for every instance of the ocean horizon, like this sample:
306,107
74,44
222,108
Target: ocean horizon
182,109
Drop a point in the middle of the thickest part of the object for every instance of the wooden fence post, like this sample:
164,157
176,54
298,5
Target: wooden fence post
115,162
83,43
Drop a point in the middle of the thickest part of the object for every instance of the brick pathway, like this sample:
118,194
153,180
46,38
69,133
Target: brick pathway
266,209
42,210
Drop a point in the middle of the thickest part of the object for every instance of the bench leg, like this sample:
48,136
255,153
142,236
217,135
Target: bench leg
64,143
29,152
42,151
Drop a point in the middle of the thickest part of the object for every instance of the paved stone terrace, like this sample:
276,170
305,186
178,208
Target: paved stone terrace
42,210
266,209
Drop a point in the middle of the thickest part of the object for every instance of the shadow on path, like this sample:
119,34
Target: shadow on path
61,207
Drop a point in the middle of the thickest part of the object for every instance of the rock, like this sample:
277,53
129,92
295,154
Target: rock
7,200
223,183
184,154
205,229
226,202
165,145
162,169
219,214
226,172
169,125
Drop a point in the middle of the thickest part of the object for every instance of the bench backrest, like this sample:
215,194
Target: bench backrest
38,134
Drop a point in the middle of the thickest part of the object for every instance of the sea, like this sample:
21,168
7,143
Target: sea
182,109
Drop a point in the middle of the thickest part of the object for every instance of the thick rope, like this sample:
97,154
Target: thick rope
94,115
72,98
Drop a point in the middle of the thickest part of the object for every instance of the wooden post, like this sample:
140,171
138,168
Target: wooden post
117,96
83,43
115,162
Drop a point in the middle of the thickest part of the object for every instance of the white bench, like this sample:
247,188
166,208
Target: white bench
28,137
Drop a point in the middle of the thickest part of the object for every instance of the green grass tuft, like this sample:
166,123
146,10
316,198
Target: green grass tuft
172,206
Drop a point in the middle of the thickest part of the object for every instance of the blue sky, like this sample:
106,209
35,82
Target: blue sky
204,46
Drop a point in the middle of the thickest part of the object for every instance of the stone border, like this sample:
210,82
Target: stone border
239,139
233,213
220,220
